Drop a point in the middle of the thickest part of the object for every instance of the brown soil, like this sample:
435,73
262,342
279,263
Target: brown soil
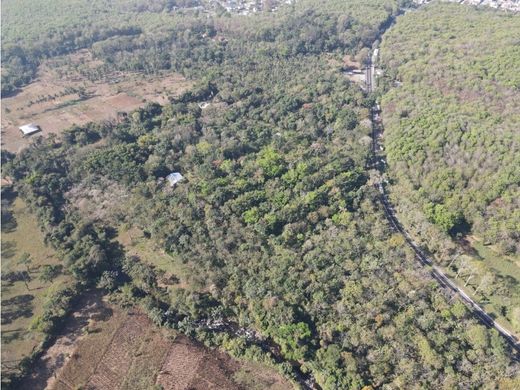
49,104
188,366
53,360
104,347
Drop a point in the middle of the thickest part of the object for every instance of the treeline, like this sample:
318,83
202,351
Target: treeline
35,30
151,36
452,122
194,44
87,249
20,63
276,220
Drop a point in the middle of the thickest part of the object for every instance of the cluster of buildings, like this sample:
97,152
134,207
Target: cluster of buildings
510,5
246,7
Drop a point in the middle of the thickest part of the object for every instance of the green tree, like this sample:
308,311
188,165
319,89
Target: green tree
50,272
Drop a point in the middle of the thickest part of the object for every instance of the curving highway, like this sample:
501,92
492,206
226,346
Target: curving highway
435,272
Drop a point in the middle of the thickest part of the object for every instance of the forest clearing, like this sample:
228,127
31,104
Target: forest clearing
76,89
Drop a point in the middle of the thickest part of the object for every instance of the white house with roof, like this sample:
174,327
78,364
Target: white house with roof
29,129
174,177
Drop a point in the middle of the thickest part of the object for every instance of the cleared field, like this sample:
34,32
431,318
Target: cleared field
76,89
23,297
353,70
175,274
114,349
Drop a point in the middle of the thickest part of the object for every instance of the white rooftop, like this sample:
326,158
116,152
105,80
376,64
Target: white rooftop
174,178
29,129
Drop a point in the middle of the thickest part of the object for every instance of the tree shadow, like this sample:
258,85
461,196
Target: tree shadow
12,335
17,307
493,316
8,219
103,314
461,228
507,283
468,248
8,249
12,93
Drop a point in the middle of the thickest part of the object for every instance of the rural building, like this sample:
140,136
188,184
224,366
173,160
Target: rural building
174,178
29,129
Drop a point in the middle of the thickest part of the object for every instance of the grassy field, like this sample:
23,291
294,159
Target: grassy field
169,266
503,265
76,89
22,302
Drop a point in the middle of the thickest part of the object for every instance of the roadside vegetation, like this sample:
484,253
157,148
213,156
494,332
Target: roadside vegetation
452,139
290,260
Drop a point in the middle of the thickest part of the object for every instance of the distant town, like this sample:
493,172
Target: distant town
246,7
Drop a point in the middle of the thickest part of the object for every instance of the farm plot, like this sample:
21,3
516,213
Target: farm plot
117,359
186,366
126,351
76,89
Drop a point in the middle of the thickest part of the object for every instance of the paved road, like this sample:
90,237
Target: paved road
435,272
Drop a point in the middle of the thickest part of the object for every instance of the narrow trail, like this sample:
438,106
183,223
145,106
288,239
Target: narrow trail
436,273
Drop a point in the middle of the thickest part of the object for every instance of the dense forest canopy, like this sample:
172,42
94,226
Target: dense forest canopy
277,219
452,133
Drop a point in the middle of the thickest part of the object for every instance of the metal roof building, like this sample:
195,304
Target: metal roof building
29,129
174,178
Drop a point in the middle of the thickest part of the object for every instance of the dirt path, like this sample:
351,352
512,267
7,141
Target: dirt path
48,367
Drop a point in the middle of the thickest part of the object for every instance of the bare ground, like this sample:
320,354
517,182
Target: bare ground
64,94
105,347
50,365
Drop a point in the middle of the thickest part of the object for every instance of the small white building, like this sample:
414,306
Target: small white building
29,129
174,177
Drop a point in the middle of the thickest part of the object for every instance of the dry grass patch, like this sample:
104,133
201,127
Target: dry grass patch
77,89
174,273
